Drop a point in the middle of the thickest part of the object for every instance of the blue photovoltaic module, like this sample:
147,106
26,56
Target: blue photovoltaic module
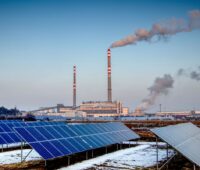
61,140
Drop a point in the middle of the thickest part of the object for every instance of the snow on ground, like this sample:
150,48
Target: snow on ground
139,156
11,157
144,143
143,155
10,145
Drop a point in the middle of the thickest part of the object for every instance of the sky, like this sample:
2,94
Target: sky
41,40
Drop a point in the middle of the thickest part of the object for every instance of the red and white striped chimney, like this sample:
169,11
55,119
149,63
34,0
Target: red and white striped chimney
109,76
74,87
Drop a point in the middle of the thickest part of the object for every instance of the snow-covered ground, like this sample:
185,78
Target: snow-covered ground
10,145
144,143
12,157
143,155
130,158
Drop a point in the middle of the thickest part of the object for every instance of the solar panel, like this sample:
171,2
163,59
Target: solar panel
10,121
7,138
44,123
123,133
7,133
56,141
185,138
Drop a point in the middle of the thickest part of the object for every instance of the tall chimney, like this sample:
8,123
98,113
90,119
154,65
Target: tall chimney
109,76
74,87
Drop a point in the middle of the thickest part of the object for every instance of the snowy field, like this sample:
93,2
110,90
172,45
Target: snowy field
12,157
136,157
10,145
143,155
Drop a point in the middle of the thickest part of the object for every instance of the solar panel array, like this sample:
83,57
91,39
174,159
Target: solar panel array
8,135
185,138
10,121
44,123
57,141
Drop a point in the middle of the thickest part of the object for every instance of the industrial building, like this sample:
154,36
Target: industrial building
59,108
180,113
100,109
91,108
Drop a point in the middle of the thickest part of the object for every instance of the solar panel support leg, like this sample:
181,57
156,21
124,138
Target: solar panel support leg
2,148
45,163
129,144
106,150
27,155
21,151
86,155
167,151
120,145
68,160
92,154
117,146
194,167
156,153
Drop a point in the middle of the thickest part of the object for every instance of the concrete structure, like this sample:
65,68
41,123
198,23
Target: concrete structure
100,109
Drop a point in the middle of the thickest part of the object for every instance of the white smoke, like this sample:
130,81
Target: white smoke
194,74
161,86
162,30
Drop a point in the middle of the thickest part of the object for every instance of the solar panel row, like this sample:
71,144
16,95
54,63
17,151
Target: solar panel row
8,127
8,135
44,123
56,141
184,137
7,138
4,121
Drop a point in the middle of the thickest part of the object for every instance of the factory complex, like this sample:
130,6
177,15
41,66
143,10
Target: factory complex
107,108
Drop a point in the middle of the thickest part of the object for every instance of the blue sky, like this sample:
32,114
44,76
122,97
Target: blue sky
41,40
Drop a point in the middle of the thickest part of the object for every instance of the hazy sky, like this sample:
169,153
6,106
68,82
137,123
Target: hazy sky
41,40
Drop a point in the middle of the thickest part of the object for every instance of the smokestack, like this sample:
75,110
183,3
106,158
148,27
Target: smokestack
109,76
74,87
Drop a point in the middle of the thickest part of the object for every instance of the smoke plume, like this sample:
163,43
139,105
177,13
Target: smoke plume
161,86
162,30
194,74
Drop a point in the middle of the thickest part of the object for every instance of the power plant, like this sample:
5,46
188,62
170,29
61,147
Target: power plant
89,108
107,108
